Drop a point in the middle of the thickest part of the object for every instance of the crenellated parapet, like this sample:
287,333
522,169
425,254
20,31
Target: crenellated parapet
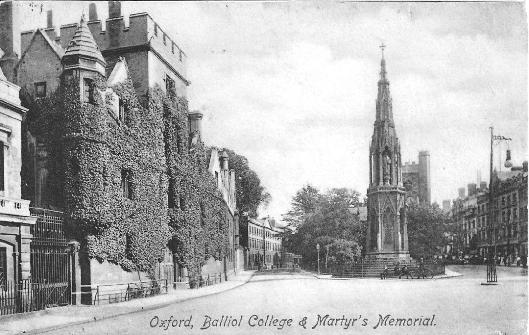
124,36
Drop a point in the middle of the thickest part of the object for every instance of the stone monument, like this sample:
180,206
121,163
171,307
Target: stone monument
386,216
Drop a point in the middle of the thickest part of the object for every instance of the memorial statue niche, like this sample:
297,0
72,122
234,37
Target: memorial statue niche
387,168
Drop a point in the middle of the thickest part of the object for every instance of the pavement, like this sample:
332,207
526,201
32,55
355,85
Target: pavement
59,317
263,303
299,303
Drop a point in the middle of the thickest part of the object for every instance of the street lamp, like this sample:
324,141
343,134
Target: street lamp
318,249
492,279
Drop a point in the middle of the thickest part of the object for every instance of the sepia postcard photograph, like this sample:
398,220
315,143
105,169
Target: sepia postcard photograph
263,167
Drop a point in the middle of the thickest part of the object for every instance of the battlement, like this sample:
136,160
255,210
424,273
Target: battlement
410,167
114,35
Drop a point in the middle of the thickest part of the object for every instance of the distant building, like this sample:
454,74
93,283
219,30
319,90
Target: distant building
447,206
264,243
506,233
416,179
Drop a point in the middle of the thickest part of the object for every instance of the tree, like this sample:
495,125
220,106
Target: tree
249,191
333,222
427,230
304,203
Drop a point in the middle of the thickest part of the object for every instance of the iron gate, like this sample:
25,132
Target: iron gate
51,259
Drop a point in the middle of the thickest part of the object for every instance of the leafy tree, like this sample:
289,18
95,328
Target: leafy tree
342,252
427,228
249,191
334,224
304,203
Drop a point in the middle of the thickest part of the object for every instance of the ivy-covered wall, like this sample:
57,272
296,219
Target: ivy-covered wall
199,219
174,202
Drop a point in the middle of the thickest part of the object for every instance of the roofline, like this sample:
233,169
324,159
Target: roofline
46,38
144,47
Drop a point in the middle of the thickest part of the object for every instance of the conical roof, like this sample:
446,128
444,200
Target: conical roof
83,44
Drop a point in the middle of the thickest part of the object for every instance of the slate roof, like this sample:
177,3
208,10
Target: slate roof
83,44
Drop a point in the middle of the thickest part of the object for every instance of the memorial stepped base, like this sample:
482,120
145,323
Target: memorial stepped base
372,267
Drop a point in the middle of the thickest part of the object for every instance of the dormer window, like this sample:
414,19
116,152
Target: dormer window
88,90
40,89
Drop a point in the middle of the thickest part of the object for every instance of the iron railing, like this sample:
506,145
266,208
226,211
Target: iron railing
27,296
114,293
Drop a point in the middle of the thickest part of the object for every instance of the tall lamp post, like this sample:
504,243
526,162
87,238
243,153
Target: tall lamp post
318,249
492,278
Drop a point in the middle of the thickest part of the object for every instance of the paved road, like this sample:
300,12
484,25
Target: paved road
460,305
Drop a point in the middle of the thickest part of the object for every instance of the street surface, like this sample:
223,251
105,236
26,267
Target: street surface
457,305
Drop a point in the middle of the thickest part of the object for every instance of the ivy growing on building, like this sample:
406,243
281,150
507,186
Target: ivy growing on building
132,185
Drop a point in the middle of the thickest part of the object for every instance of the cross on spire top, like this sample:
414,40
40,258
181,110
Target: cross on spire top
382,47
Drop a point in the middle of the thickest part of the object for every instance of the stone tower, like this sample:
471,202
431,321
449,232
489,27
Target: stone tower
425,191
387,230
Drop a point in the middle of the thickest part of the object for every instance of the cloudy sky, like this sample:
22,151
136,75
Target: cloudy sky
292,85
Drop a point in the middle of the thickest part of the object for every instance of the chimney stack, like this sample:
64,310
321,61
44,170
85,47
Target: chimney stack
195,123
92,12
49,19
224,160
9,37
114,9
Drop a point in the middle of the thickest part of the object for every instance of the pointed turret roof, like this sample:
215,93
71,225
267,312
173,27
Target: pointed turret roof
83,44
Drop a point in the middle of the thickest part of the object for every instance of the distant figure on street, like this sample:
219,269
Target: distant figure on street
384,273
404,271
518,261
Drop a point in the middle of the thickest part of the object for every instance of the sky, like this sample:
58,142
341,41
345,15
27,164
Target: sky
292,85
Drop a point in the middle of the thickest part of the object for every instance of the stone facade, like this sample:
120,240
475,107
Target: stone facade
416,179
506,234
387,235
15,219
263,243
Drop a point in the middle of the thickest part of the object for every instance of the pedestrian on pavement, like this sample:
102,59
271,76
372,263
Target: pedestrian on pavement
518,261
404,271
384,273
